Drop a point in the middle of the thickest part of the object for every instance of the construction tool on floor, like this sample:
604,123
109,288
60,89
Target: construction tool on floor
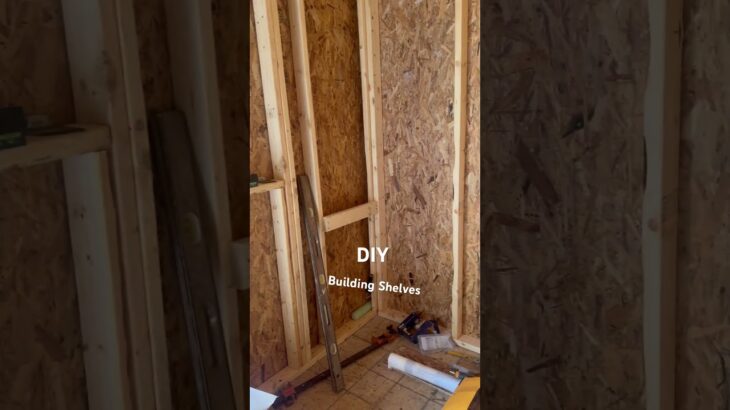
308,211
288,394
182,209
411,327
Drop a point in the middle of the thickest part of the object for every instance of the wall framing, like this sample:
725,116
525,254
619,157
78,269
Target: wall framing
461,53
105,48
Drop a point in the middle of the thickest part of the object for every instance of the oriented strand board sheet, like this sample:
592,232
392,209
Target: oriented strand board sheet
259,151
334,61
342,263
230,34
703,282
267,352
564,291
41,354
417,65
154,58
470,309
332,35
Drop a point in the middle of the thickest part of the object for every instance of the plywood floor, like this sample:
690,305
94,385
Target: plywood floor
369,384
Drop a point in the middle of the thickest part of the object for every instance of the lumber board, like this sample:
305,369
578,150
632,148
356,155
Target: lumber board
369,36
307,128
266,21
42,149
97,263
195,87
348,216
266,187
659,218
140,147
284,267
461,52
97,69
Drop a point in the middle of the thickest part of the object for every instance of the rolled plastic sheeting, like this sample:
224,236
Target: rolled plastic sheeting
425,373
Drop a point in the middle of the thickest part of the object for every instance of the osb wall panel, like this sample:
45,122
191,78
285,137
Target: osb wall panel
704,218
41,356
471,203
259,151
342,263
154,57
334,59
230,33
417,66
267,352
564,257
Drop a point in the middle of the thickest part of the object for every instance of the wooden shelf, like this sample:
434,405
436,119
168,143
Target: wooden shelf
41,149
266,187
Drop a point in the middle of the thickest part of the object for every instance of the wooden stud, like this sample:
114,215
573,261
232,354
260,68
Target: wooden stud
266,20
286,287
308,129
659,222
348,216
461,51
143,179
93,230
369,36
195,83
103,82
266,187
39,150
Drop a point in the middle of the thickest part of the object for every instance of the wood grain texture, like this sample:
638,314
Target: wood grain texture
703,326
41,362
267,351
342,263
335,69
565,299
332,34
417,64
470,311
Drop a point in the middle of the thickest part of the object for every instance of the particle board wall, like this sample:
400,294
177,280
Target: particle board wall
564,261
335,70
342,263
230,35
704,211
471,288
417,66
41,358
267,352
259,151
332,34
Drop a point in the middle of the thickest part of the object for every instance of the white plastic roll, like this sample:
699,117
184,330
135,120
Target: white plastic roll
425,373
